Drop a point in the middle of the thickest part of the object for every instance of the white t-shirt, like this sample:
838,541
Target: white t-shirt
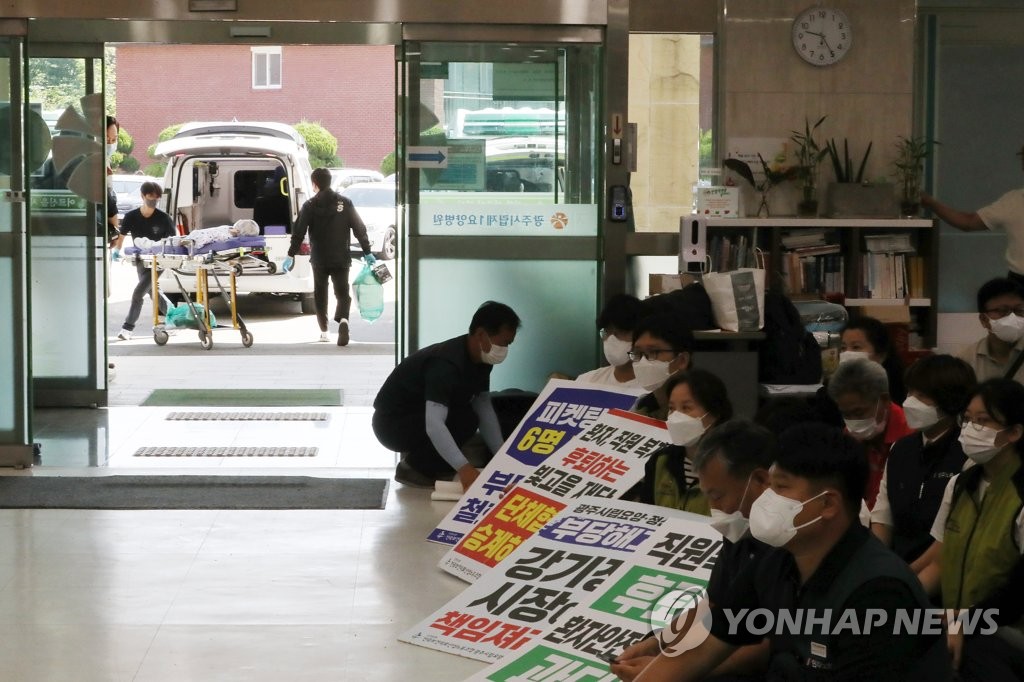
606,375
977,356
1006,214
939,527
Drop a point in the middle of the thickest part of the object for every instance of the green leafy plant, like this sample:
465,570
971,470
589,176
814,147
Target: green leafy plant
911,153
772,177
809,155
844,167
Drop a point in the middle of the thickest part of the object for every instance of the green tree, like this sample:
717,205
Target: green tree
56,82
388,165
322,146
158,167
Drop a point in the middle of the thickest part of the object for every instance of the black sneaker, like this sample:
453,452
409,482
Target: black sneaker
406,475
343,333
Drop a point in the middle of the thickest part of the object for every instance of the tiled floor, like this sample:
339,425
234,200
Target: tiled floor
182,596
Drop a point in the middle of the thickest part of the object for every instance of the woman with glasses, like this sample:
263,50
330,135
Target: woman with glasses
662,348
1000,354
979,566
697,402
919,465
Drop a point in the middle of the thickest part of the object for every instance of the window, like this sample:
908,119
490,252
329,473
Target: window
266,68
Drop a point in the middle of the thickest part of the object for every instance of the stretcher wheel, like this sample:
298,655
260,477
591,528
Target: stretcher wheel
237,269
271,268
246,339
206,340
160,336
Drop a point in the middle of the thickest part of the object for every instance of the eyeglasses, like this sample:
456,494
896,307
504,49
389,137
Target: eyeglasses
652,354
1004,310
963,420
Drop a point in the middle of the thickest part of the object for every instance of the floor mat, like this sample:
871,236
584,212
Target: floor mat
231,451
191,492
244,397
247,416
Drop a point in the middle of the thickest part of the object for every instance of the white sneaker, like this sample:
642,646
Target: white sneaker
125,334
324,337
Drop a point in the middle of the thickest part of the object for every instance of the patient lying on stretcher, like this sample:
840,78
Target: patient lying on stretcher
197,239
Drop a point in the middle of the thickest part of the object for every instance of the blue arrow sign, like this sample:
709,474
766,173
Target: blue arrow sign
427,157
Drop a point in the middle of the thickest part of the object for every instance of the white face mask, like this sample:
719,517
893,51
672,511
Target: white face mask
919,415
731,526
979,444
848,355
651,374
683,429
772,515
615,351
495,356
865,429
1009,328
111,148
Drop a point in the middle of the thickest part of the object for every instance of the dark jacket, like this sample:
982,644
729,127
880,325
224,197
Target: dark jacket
331,220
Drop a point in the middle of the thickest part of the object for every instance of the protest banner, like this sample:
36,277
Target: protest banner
562,410
605,460
591,574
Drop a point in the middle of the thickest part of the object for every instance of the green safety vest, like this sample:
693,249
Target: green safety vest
668,494
979,548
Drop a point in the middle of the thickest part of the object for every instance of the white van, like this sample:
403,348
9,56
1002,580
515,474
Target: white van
220,172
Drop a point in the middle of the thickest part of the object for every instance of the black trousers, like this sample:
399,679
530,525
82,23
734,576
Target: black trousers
145,286
338,276
407,433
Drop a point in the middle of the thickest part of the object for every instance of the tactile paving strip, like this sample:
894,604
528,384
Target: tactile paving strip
248,416
226,452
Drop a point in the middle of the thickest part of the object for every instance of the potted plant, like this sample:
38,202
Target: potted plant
809,154
911,153
851,194
772,177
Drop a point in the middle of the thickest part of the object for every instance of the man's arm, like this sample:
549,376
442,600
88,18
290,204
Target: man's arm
441,438
879,654
695,664
490,427
961,220
299,230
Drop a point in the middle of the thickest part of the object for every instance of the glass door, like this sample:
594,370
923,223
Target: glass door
67,219
15,412
499,160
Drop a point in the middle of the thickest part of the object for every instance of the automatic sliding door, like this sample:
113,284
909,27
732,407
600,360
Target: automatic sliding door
15,428
500,156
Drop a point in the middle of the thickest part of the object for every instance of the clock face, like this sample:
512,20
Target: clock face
822,36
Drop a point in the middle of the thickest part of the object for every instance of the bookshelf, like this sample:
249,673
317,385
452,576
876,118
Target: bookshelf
861,262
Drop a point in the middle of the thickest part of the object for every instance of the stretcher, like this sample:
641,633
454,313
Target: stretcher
218,258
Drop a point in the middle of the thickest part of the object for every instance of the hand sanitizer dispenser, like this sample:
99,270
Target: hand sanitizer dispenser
693,231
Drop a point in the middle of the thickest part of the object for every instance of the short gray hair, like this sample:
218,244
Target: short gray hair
741,444
863,377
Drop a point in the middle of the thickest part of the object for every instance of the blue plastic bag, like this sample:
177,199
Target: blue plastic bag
369,294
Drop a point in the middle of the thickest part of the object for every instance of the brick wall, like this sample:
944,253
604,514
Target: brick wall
348,89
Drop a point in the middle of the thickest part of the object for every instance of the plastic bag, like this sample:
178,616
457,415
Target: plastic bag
369,294
180,316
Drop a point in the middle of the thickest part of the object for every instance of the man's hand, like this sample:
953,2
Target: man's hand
627,670
645,647
369,259
287,264
115,255
468,474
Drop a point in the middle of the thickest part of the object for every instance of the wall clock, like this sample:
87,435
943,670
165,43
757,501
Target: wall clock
822,35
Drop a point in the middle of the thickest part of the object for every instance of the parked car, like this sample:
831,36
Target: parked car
343,177
127,189
220,172
375,202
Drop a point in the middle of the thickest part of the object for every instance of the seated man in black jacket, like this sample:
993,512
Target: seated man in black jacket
832,595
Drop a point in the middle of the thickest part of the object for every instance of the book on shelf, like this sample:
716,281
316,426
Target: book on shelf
892,276
899,242
801,238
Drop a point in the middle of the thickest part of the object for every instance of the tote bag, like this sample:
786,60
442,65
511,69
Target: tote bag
737,298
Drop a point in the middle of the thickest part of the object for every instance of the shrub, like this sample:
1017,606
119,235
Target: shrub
388,165
165,134
322,146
